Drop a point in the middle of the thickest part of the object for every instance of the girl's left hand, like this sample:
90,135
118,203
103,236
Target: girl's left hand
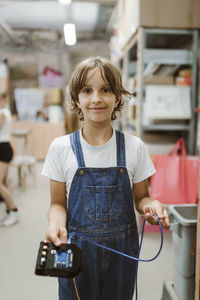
156,208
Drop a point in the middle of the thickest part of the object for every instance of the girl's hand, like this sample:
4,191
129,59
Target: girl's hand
56,234
156,208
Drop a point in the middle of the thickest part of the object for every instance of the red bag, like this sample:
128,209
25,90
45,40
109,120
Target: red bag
176,179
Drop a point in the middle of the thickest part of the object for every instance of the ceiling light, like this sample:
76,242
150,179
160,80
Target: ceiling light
70,34
65,2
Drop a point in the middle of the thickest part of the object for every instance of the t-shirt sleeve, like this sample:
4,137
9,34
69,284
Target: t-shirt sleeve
52,167
144,167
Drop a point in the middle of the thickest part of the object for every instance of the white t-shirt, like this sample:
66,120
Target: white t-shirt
5,129
61,164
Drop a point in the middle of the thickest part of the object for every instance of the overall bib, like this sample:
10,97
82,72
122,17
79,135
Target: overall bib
100,206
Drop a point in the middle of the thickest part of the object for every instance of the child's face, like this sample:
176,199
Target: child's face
96,100
2,102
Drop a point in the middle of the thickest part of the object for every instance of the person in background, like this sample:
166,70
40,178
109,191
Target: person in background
6,154
98,177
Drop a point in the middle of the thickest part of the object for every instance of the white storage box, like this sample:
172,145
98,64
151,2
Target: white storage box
28,102
166,102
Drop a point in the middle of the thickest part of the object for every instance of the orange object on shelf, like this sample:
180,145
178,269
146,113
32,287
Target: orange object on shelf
197,110
183,80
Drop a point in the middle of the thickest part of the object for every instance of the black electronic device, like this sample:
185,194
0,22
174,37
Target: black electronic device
63,261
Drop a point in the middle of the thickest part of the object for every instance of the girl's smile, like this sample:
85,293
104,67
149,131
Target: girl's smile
97,109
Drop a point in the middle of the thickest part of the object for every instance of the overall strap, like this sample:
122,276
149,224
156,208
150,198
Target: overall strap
77,149
121,155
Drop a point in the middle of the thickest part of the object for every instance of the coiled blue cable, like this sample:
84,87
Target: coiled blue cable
138,259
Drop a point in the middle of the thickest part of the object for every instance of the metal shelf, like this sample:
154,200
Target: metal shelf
169,31
163,47
168,56
166,127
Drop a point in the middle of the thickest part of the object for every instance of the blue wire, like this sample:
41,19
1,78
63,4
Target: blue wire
123,254
140,246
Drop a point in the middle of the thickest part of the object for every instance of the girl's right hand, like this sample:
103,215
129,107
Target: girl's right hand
56,234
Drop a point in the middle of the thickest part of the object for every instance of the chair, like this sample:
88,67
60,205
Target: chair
25,163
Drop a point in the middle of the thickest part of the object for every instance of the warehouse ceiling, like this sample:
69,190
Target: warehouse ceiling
29,23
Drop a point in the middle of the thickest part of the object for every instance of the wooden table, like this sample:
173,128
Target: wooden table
39,136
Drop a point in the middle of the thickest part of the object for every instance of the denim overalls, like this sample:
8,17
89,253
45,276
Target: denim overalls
101,207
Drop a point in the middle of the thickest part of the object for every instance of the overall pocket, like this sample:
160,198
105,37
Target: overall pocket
103,203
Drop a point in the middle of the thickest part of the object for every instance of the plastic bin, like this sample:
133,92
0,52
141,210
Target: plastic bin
183,225
168,292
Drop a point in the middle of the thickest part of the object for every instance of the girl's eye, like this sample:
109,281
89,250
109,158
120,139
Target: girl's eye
86,91
107,90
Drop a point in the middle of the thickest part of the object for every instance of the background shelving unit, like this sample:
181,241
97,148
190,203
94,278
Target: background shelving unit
163,47
162,33
166,47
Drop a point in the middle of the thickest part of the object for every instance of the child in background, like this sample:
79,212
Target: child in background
6,154
97,176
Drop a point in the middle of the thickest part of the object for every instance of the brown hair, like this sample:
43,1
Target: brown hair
3,95
110,75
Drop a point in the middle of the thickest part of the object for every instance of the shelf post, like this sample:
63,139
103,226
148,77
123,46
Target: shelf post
192,129
140,80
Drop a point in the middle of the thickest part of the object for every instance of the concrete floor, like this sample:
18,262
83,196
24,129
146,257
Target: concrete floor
19,246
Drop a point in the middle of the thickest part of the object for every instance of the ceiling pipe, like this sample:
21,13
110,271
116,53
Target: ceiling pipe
7,32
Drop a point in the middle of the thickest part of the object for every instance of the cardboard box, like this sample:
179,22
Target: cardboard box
40,138
169,14
180,14
159,80
52,96
185,73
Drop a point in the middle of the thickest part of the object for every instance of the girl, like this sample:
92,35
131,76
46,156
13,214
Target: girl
97,176
6,154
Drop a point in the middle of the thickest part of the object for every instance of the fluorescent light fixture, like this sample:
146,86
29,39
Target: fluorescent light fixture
70,34
65,2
